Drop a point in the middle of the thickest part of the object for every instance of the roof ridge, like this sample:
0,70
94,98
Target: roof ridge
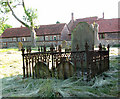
109,19
16,27
38,25
52,24
88,17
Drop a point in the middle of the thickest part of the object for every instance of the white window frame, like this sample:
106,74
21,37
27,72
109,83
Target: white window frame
23,39
51,38
14,39
55,37
47,38
19,39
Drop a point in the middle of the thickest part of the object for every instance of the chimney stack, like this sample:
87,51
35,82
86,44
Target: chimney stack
103,15
72,15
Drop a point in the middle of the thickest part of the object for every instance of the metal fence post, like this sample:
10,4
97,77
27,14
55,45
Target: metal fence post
44,53
93,47
100,50
23,50
51,50
38,48
108,55
87,64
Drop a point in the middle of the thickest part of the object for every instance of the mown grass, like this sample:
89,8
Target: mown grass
8,49
15,49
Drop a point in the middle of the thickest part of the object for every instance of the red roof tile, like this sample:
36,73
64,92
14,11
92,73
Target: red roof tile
105,25
109,25
43,30
50,29
89,20
16,32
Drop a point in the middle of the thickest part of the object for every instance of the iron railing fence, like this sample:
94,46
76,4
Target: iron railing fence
86,64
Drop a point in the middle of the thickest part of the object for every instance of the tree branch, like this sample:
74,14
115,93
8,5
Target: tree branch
16,5
16,16
31,21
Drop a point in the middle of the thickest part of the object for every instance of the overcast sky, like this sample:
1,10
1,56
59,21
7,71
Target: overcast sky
50,11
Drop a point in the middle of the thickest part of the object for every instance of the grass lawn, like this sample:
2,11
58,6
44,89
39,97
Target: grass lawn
10,49
15,49
105,85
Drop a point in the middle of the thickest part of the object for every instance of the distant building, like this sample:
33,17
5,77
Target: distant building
108,29
45,34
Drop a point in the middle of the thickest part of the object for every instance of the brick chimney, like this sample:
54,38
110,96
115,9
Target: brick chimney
72,16
21,26
103,15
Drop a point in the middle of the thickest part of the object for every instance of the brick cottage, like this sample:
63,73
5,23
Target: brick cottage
45,34
108,31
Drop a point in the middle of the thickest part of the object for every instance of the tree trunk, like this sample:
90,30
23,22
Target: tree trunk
32,31
33,37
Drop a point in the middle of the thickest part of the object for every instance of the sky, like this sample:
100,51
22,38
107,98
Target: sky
51,11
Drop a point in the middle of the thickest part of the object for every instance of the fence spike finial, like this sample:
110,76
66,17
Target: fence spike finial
92,46
108,46
27,50
59,48
51,48
77,47
30,50
100,47
44,48
38,48
86,46
23,50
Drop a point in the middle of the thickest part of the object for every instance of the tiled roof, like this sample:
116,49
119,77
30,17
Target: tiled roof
89,20
50,29
105,25
109,25
16,32
24,31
